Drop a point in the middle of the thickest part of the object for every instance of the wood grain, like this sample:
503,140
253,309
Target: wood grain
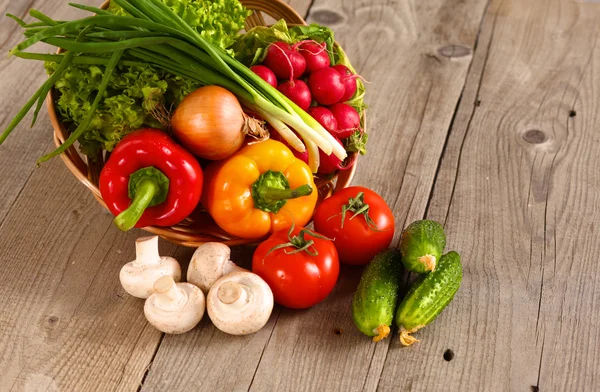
66,324
20,151
414,92
205,358
518,190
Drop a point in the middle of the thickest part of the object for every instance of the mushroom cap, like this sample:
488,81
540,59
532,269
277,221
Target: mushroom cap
138,280
209,263
240,303
184,310
137,277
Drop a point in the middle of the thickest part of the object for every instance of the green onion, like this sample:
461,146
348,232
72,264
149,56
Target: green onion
156,35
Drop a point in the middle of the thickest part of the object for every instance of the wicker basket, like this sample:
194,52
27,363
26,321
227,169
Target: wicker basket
199,227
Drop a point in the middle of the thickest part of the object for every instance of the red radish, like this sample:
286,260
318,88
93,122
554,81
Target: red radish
315,55
326,86
349,81
297,91
330,163
303,156
347,118
266,74
284,62
325,118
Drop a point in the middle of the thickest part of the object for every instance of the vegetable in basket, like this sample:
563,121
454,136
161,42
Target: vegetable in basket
149,180
261,189
211,124
140,94
308,53
158,36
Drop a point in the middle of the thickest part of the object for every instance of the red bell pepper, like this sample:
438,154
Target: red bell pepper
149,180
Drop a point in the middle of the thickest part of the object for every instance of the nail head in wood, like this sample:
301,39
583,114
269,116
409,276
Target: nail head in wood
448,355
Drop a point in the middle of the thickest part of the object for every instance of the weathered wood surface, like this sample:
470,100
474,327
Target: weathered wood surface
509,168
518,192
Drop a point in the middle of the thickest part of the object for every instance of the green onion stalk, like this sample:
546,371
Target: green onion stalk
156,35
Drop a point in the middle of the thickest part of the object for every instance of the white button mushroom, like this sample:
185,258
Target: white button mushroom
174,307
209,263
138,277
240,303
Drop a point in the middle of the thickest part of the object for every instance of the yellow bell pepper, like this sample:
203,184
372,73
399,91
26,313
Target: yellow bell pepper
261,189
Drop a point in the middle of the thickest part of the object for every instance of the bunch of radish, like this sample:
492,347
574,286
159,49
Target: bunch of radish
303,73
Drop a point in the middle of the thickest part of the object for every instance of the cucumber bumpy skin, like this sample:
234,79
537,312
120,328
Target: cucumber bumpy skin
428,296
421,245
376,297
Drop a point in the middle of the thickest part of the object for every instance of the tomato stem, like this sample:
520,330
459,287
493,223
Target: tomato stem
358,207
299,242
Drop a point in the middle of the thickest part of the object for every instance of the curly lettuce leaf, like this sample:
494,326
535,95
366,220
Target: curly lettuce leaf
133,95
217,21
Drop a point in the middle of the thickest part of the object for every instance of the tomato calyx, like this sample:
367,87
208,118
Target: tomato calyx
300,243
358,206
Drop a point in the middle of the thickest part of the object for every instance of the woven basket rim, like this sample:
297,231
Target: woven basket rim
178,234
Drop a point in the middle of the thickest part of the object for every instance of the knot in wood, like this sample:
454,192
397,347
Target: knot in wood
534,136
52,320
455,51
327,17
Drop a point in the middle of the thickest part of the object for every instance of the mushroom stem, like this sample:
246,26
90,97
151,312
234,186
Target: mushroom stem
168,296
230,292
146,251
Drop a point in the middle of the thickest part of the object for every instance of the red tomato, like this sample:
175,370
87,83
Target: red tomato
361,236
302,279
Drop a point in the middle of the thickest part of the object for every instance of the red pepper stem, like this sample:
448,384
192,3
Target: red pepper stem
145,192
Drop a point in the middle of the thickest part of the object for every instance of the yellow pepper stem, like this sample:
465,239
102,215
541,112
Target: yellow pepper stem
284,194
272,190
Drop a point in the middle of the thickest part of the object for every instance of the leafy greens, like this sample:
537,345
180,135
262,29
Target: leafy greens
136,94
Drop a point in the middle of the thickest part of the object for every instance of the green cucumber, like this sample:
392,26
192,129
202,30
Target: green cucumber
377,295
421,245
428,296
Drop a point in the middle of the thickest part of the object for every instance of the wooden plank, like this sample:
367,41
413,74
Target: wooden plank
518,191
205,358
19,80
416,57
66,324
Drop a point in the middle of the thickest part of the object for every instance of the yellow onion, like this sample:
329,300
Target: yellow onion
211,124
